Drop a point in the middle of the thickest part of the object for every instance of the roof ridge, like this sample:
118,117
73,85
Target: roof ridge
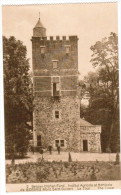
85,123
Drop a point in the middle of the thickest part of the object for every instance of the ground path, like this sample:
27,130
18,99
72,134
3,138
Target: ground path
64,157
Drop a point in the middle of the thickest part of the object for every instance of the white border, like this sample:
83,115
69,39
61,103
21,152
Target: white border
20,2
2,160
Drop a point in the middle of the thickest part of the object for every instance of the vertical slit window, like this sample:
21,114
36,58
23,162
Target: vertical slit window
56,114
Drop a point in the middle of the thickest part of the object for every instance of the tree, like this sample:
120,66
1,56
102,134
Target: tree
17,96
103,86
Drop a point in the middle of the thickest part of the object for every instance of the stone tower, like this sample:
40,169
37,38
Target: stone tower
55,78
56,116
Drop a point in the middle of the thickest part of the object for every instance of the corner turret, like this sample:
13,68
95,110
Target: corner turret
39,30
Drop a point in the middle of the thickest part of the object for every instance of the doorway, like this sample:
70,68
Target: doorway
85,145
39,140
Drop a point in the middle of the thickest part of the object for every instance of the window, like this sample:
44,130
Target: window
56,89
55,63
60,142
56,142
55,83
42,48
56,114
67,49
56,86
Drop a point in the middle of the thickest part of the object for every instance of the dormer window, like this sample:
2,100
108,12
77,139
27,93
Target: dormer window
55,63
42,49
67,49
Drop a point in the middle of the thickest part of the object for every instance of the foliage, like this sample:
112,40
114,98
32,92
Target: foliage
93,175
103,87
17,96
117,159
62,172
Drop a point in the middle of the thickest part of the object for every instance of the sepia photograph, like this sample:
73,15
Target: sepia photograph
61,96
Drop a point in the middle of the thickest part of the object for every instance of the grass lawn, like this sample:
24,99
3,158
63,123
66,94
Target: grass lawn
44,171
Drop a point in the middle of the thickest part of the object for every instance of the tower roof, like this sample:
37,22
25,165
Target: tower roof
39,24
39,30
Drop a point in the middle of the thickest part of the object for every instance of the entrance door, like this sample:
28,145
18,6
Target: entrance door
85,145
39,140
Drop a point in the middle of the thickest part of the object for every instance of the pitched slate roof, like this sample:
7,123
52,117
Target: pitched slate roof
84,123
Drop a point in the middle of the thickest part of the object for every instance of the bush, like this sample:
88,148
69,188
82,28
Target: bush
43,171
117,159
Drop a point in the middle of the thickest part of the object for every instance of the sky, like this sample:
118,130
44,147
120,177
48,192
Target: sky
90,22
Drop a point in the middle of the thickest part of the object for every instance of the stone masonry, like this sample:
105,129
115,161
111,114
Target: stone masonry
65,128
56,117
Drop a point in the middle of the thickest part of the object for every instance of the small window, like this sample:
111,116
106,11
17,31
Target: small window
62,143
55,63
67,49
42,48
59,142
56,143
56,114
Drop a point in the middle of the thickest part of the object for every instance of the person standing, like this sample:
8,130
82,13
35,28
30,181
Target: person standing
58,148
50,149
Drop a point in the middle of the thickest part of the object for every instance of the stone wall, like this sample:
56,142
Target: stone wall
66,128
67,85
46,50
39,31
67,67
42,83
92,135
54,50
